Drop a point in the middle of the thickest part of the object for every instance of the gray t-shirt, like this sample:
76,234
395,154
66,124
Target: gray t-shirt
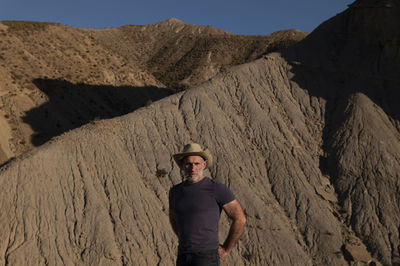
197,208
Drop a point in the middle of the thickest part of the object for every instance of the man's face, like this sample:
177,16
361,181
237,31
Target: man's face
193,167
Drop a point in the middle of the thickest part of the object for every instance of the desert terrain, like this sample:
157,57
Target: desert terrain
304,129
56,78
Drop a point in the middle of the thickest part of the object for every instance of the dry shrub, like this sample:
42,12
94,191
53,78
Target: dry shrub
26,26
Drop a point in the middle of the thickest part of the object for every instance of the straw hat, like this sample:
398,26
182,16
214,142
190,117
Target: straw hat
193,149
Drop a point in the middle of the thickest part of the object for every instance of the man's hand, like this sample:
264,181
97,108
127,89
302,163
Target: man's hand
222,252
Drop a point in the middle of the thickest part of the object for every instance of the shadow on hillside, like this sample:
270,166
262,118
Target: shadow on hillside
338,90
73,105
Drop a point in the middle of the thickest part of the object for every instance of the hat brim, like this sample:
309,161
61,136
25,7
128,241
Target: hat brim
206,154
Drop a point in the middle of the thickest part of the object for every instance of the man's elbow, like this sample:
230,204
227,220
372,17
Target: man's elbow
242,220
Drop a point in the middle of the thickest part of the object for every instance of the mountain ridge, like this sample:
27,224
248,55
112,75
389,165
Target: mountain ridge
81,61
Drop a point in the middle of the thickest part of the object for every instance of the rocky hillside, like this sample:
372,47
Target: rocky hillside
308,139
56,78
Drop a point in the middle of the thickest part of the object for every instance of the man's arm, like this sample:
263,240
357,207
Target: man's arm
234,212
172,221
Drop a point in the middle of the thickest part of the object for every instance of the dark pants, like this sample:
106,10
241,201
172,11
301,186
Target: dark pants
203,258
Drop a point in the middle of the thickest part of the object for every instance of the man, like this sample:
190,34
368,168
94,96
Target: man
195,208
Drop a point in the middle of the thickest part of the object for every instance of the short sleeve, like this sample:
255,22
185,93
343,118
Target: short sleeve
223,194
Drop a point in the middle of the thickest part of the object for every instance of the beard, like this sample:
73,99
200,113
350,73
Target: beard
192,177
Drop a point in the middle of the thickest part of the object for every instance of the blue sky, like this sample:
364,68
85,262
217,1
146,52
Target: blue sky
251,17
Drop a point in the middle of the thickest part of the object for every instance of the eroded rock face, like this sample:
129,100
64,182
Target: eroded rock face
94,191
311,151
358,52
